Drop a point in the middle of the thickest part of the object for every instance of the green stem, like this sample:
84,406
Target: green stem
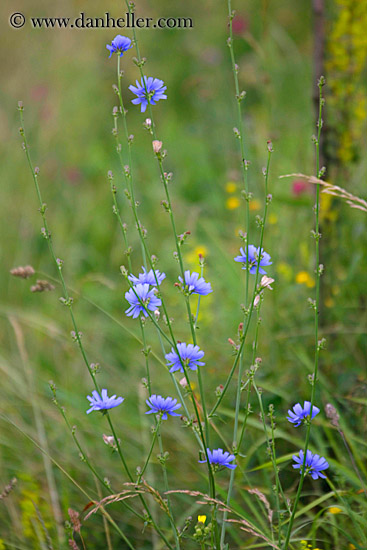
317,236
155,435
166,489
255,292
244,163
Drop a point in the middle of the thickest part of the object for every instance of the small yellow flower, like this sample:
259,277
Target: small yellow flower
303,278
231,187
255,205
329,302
232,203
351,547
335,510
273,219
201,519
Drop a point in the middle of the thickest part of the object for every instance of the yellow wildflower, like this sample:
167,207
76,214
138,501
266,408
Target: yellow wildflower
201,519
303,278
231,187
329,302
273,219
232,203
335,510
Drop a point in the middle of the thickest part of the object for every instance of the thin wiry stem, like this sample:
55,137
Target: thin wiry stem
249,311
239,382
317,237
240,134
166,486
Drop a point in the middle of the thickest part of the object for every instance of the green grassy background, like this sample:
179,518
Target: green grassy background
64,78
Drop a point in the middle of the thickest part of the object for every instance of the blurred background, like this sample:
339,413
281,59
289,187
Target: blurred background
64,78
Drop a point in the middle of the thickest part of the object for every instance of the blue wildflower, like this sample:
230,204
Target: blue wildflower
315,464
103,402
253,259
195,284
217,456
300,413
149,90
163,405
146,296
148,277
119,44
190,356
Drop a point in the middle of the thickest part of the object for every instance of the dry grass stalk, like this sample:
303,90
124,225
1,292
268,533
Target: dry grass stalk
248,528
8,488
264,500
132,491
352,200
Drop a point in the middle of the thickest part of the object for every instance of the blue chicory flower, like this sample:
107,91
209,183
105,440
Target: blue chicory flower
190,355
196,284
147,277
149,90
217,456
315,464
119,44
253,259
103,402
301,414
163,405
146,296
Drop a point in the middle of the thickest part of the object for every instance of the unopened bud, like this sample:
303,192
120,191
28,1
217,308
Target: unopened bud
266,282
157,146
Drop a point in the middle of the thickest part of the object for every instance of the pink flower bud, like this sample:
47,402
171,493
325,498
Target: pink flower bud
157,146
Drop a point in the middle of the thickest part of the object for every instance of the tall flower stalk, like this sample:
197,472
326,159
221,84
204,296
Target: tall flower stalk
204,434
240,355
315,304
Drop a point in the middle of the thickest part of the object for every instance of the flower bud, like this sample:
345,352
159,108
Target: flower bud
157,146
